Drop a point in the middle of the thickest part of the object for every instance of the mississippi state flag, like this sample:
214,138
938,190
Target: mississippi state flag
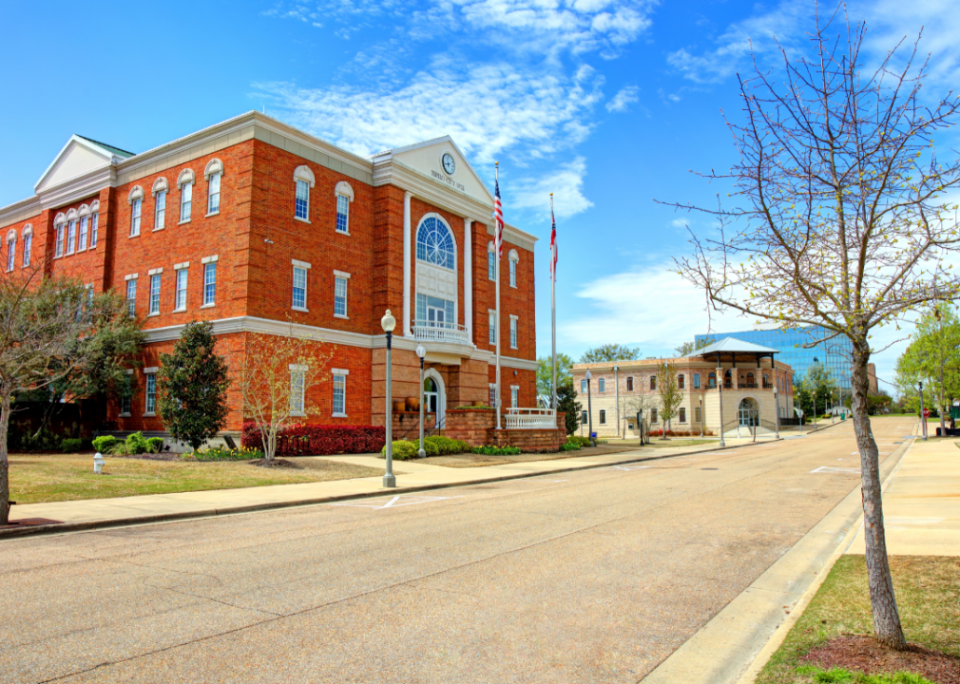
553,245
498,217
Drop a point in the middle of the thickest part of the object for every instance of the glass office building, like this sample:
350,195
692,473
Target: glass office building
835,354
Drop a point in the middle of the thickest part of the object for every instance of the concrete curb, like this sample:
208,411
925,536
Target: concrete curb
727,647
62,528
778,637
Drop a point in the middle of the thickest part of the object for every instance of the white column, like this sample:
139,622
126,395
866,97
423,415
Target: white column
407,264
468,277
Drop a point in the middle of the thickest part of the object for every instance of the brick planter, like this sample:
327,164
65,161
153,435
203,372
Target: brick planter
479,428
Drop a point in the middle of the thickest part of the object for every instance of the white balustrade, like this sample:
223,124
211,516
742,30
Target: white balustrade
426,331
531,419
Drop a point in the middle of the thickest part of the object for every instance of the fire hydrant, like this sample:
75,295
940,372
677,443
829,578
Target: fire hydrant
98,463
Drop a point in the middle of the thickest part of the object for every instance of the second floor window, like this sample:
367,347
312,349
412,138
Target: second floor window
186,201
210,283
132,297
513,333
84,228
213,194
491,265
653,382
696,381
181,298
493,328
680,382
71,236
303,200
61,234
629,384
583,387
27,248
340,296
343,214
299,287
160,212
11,252
513,272
135,208
601,385
151,405
155,294
94,229
683,415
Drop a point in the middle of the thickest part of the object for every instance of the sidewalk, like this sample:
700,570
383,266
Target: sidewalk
413,477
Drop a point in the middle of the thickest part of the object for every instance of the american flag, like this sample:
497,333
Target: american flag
553,244
498,217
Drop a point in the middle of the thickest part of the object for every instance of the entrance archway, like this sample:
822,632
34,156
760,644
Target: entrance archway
435,396
749,414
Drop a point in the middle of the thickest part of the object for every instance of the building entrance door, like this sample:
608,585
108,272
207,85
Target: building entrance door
434,400
749,413
436,316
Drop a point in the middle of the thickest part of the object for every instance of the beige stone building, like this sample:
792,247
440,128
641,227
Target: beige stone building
733,384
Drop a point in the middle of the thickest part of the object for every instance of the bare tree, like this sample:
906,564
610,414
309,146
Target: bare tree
44,323
669,392
276,374
840,219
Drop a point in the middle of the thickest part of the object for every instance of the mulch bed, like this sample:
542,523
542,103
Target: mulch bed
864,654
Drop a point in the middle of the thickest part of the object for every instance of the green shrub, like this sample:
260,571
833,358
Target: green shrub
570,446
71,446
137,444
104,444
402,450
155,444
224,454
579,441
44,441
497,451
447,446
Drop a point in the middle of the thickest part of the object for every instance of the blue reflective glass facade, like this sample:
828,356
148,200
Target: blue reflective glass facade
835,355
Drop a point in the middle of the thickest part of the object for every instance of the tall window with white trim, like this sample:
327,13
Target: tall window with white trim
491,262
213,173
210,283
185,182
514,396
297,390
339,394
11,249
492,325
84,229
132,297
514,260
160,210
155,294
94,228
27,245
340,296
343,214
71,236
61,223
181,294
300,288
135,208
303,200
513,332
151,404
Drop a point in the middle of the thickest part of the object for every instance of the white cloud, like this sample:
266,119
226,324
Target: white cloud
487,109
623,99
566,184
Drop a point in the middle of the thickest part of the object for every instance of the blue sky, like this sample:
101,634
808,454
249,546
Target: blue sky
606,103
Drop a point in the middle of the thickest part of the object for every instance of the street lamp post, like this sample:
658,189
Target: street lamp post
923,418
776,401
421,352
720,399
701,416
588,376
388,323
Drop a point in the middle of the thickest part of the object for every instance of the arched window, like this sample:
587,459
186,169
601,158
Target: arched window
94,222
185,182
653,382
159,191
630,384
751,380
71,231
491,262
712,380
136,206
27,244
303,179
84,213
766,381
680,381
60,223
728,379
11,249
213,172
514,260
344,194
435,243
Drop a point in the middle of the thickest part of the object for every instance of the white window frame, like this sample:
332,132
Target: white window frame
131,301
209,265
341,375
27,244
94,223
71,236
149,373
492,394
213,174
126,402
185,183
491,262
305,267
514,396
601,385
682,414
338,277
298,399
513,261
82,233
342,189
514,331
160,210
11,250
60,224
180,286
155,275
302,174
492,326
602,417
136,210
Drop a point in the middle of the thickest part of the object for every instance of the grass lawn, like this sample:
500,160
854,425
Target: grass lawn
928,596
38,478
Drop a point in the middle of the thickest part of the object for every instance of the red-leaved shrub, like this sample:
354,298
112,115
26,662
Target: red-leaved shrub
320,440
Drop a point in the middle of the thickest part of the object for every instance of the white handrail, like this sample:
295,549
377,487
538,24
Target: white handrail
530,419
428,331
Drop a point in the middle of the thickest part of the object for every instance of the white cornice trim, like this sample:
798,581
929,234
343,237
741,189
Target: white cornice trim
18,211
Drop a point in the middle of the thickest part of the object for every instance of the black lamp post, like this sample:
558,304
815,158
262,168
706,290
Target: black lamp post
923,418
388,323
589,411
421,352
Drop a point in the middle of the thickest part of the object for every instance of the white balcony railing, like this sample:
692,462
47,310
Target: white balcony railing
428,331
531,419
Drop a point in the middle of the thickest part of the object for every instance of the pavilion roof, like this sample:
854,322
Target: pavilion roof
730,345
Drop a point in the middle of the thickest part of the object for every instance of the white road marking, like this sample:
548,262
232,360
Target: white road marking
629,467
397,501
831,469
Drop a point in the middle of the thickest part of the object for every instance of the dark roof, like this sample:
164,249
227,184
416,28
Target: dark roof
110,148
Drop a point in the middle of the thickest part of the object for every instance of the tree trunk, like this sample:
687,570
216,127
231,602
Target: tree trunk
886,619
4,462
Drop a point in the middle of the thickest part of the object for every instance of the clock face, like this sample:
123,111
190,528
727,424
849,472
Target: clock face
448,164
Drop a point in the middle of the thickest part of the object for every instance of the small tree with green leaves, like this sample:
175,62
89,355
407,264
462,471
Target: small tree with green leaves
545,374
192,383
567,402
687,348
669,391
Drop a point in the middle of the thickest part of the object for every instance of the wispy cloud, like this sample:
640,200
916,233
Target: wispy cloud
488,109
623,99
566,184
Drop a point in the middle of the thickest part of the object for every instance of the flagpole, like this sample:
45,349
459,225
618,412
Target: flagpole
497,249
553,303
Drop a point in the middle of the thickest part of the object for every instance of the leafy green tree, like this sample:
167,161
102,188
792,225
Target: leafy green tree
687,348
567,402
669,391
816,391
610,352
933,357
545,374
192,383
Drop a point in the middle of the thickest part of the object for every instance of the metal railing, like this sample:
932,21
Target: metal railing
530,419
428,331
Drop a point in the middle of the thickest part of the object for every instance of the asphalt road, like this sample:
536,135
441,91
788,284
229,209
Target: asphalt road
594,576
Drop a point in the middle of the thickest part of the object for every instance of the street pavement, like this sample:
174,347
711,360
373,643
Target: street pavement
587,576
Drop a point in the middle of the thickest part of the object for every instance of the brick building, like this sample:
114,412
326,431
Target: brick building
754,389
261,228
